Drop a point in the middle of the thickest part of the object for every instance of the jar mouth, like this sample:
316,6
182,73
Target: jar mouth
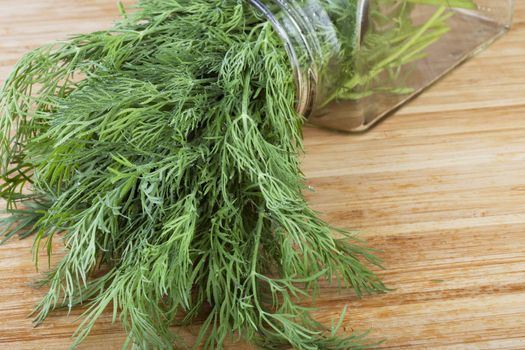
301,45
309,36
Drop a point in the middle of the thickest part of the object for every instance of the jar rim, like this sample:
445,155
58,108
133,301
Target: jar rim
298,38
297,24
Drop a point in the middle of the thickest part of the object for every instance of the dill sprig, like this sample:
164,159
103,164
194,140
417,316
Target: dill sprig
164,152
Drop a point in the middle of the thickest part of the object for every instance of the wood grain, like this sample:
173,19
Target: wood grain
439,187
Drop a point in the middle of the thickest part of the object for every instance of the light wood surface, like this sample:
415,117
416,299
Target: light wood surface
439,187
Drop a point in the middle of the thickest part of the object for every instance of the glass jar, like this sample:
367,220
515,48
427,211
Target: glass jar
356,61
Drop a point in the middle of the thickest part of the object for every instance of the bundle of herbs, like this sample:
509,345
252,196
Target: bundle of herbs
164,153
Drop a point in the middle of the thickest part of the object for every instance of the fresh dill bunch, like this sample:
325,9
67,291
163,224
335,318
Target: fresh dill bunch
164,153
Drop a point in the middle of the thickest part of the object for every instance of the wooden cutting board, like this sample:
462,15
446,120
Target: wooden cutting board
439,187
